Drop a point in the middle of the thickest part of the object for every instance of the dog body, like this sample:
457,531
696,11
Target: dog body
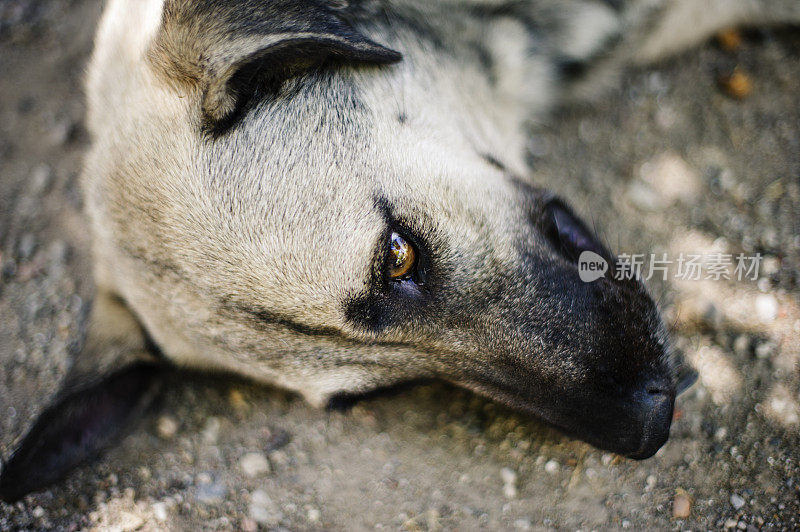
253,161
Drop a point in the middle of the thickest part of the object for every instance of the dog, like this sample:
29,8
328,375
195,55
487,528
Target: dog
332,197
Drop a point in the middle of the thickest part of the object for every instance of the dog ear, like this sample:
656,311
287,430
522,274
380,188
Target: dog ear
113,379
225,45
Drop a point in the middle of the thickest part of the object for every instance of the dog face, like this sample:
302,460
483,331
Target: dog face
343,231
275,194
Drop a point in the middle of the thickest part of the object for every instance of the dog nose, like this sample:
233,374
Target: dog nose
654,402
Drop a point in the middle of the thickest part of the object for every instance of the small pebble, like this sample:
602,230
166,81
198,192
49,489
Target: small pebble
249,525
63,132
766,307
737,85
765,349
522,524
741,346
736,501
643,197
729,40
160,511
167,427
211,430
313,515
211,492
551,467
129,521
263,510
38,512
254,465
681,505
236,399
26,246
508,475
671,178
40,178
770,265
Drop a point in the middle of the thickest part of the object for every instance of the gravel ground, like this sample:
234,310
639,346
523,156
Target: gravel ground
669,164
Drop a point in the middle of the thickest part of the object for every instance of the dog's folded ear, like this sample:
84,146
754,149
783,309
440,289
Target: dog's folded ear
112,380
225,46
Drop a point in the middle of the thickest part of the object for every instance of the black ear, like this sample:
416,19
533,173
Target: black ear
225,45
75,428
111,381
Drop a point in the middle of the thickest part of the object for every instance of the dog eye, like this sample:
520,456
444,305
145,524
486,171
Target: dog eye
402,257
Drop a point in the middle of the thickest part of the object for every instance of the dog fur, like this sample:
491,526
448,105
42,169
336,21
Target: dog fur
250,160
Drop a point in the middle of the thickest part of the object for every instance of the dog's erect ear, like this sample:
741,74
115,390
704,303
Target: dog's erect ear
112,380
226,45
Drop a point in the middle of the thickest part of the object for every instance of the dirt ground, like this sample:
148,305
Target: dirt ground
669,163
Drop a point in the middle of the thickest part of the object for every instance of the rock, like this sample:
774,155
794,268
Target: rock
38,512
737,85
129,521
770,266
64,131
313,515
730,39
671,178
160,511
643,197
263,510
249,525
209,492
26,246
254,465
766,307
508,475
510,491
40,179
736,501
551,467
765,349
522,524
681,505
167,427
237,401
741,346
782,408
211,431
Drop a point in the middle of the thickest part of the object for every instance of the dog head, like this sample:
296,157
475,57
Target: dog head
274,193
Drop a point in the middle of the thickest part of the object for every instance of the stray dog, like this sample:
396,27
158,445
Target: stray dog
331,197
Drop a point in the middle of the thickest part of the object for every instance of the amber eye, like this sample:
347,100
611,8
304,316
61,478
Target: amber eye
402,257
